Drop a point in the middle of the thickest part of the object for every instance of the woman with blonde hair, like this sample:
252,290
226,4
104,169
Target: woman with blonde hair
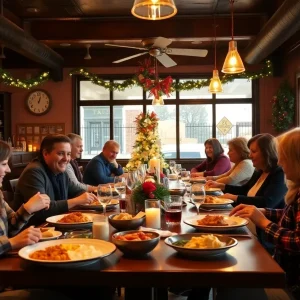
243,168
282,226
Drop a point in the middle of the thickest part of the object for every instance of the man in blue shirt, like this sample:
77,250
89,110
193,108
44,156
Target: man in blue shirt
103,167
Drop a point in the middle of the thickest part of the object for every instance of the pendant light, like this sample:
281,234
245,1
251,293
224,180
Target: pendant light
154,9
215,85
157,100
233,63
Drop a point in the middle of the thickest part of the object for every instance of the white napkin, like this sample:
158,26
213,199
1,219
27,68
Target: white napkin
162,233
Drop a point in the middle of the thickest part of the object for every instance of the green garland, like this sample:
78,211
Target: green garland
7,79
283,108
266,71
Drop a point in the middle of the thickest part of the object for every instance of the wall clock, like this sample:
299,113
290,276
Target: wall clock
38,102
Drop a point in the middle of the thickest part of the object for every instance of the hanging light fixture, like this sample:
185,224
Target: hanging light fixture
233,63
215,85
157,100
88,56
154,9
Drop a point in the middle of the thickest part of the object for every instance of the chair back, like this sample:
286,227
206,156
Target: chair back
13,184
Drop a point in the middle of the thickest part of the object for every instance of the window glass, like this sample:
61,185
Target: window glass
131,93
125,128
233,120
236,89
196,93
91,91
195,128
94,129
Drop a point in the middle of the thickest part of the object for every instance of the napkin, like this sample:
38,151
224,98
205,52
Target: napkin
162,233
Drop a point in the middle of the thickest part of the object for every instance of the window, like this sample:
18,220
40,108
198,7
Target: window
187,119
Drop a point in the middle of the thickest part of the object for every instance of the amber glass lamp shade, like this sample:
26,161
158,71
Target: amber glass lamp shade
215,85
154,9
158,101
233,63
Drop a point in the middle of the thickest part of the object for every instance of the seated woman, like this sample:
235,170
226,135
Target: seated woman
282,226
216,163
243,168
266,187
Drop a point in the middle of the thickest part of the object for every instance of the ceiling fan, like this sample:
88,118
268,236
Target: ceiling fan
157,47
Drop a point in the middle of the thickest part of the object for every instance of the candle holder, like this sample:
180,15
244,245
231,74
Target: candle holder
152,210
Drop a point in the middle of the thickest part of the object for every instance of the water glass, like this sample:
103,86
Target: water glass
198,195
173,209
100,227
185,176
104,194
152,210
120,187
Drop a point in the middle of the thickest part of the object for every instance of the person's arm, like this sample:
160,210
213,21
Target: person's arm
199,168
73,178
274,215
99,170
237,175
117,171
222,165
270,194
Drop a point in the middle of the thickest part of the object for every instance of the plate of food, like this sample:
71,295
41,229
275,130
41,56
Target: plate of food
198,179
67,251
213,191
96,205
49,233
71,220
199,245
215,202
218,223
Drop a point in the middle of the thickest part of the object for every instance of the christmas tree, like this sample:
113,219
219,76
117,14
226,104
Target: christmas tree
147,143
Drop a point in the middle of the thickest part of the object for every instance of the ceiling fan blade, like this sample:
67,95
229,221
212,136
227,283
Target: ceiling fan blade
129,57
166,60
187,52
162,42
122,46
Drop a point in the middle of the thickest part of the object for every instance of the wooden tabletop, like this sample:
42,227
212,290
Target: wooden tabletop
246,265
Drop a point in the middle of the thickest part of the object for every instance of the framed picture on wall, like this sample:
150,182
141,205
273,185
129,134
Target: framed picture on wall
44,129
28,130
36,129
52,130
21,130
59,129
36,139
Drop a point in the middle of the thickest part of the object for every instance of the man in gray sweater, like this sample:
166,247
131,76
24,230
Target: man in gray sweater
46,174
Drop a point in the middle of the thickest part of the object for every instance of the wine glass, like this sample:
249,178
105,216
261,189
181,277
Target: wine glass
172,164
185,176
198,195
132,179
104,194
120,187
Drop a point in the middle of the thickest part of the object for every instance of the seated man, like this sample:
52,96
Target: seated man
72,168
103,167
46,174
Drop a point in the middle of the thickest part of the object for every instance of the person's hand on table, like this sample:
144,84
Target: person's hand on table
197,174
85,198
29,236
229,196
256,215
37,202
214,184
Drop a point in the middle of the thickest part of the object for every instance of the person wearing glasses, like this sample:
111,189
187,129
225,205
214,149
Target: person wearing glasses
103,168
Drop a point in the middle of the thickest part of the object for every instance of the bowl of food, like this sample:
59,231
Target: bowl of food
125,221
135,243
197,245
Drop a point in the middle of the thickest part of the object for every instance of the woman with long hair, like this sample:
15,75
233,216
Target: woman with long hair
242,169
216,162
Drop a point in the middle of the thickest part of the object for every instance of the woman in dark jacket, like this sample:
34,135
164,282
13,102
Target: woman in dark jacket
266,187
216,163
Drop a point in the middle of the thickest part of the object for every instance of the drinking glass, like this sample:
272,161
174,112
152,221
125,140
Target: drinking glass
132,179
120,187
173,209
100,227
172,164
104,194
185,176
198,195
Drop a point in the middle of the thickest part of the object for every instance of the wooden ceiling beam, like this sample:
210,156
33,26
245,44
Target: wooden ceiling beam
68,30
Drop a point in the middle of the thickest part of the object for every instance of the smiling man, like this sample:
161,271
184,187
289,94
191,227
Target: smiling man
103,167
46,174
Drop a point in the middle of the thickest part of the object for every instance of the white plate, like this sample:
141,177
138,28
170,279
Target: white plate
213,191
56,234
221,202
99,206
54,222
233,222
195,253
198,179
103,249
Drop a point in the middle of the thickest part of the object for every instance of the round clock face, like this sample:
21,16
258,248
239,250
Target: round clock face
38,102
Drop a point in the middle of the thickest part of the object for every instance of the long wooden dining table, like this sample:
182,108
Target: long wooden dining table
246,265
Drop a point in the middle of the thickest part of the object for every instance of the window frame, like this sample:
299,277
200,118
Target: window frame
77,103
